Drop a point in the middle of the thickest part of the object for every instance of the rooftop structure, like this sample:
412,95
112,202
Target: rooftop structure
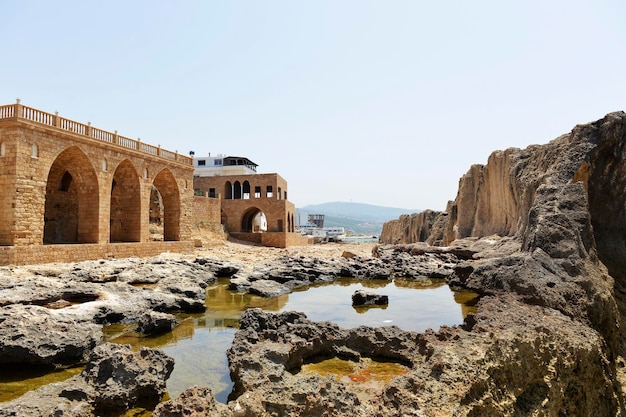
209,166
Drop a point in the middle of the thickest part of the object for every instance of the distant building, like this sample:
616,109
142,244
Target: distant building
223,165
254,207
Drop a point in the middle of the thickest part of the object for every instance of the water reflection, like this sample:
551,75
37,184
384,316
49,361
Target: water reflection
17,381
199,344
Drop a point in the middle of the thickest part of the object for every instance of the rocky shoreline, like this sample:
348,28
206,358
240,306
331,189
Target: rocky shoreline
538,233
516,355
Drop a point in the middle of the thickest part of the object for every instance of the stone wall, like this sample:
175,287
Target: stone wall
206,210
273,239
283,240
40,254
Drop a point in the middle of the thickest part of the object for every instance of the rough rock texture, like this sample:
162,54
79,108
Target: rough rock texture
115,379
498,197
194,402
153,323
38,336
362,298
490,367
540,233
51,315
283,274
564,204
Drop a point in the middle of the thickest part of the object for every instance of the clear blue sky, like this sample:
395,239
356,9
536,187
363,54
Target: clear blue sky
381,102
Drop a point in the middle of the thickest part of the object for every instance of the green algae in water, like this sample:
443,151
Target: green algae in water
15,382
367,371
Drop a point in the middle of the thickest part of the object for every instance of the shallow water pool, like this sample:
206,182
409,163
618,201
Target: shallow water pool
199,344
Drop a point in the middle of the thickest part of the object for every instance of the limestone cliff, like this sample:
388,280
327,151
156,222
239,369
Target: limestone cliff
563,204
498,198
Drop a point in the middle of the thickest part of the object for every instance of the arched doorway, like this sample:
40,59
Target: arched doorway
125,219
71,210
167,188
253,221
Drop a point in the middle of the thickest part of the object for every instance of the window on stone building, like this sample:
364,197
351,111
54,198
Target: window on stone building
228,191
278,193
35,151
197,192
269,192
145,173
212,193
285,195
246,190
104,165
257,192
201,162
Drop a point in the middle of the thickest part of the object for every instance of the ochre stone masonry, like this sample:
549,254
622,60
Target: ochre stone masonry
206,210
71,191
243,197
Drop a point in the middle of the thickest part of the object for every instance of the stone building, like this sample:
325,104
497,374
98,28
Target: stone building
254,207
71,192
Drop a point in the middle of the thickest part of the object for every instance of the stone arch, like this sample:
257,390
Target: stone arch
167,187
71,209
253,220
228,190
125,218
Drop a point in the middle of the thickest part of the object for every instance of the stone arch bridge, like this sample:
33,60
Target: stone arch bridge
71,192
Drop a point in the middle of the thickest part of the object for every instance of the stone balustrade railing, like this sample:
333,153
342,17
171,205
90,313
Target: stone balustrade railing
20,111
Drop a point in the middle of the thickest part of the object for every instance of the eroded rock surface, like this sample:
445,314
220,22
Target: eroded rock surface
115,379
52,315
540,233
38,336
512,359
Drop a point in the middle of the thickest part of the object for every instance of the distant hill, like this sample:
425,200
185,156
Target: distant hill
357,218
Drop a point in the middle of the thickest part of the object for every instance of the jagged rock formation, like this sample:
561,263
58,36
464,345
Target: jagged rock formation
540,233
497,198
564,200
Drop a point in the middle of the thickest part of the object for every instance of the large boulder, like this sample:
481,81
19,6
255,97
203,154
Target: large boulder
364,298
39,336
510,359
